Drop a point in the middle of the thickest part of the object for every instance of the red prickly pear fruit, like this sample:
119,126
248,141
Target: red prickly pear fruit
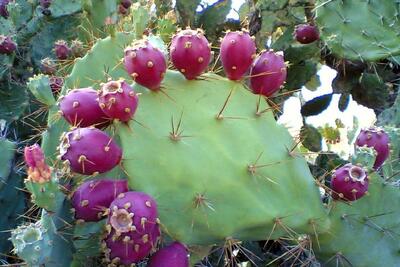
89,151
268,73
349,182
48,66
62,50
126,3
77,49
127,249
38,171
92,198
56,83
45,3
3,8
118,100
81,108
174,255
145,64
190,52
379,140
306,33
7,45
238,51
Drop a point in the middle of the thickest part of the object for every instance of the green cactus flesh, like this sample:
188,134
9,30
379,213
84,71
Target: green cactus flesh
47,195
365,232
359,29
237,176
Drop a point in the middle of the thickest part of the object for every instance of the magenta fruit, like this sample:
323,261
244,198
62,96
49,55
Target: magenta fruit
45,3
7,45
238,50
145,64
349,182
89,151
81,108
122,10
126,3
38,171
118,100
306,33
92,198
377,139
62,50
56,83
48,66
190,53
268,73
132,228
174,255
3,8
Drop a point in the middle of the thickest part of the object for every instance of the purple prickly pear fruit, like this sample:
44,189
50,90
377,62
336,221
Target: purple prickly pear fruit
349,182
379,140
62,50
89,151
92,198
122,10
238,50
268,73
56,84
145,64
77,49
174,255
3,8
118,100
190,52
81,108
306,33
48,66
38,170
45,3
127,249
126,3
7,45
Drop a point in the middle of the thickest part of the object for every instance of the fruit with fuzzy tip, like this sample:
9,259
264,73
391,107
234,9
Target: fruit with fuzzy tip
174,255
45,3
48,66
145,64
377,139
238,50
7,45
190,52
118,100
89,151
77,49
62,50
349,182
3,8
132,223
80,108
56,83
268,73
306,33
92,198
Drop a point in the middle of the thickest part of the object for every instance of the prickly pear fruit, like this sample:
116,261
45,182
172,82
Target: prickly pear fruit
92,198
306,33
3,8
122,10
268,73
174,255
48,66
238,50
376,138
349,182
190,52
145,64
126,3
77,49
45,3
81,108
7,45
118,100
56,83
38,171
89,151
132,227
62,50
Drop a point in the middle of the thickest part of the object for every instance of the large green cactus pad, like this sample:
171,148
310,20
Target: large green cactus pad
365,232
360,29
202,181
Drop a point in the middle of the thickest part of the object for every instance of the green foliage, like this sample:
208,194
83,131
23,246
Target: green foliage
40,88
311,137
316,105
47,195
12,95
